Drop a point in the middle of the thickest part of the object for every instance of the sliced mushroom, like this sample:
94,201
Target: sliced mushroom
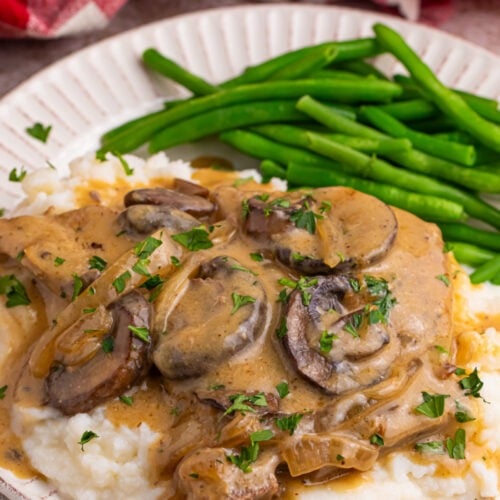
190,188
358,358
140,220
209,324
208,474
197,206
84,375
337,228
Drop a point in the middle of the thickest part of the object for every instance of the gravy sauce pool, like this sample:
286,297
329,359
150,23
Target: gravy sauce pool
169,407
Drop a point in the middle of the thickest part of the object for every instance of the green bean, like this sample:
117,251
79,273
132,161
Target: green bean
166,67
349,49
440,123
336,74
218,120
445,99
296,136
135,133
270,169
495,280
365,166
453,151
308,63
264,149
414,109
413,160
468,234
473,100
427,207
485,272
468,254
361,68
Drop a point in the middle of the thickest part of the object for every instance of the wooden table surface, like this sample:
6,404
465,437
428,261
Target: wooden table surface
474,20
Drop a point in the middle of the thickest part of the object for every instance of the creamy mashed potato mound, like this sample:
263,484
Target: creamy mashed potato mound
117,464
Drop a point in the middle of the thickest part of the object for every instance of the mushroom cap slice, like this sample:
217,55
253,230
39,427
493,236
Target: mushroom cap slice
223,310
140,220
356,359
192,204
87,376
333,228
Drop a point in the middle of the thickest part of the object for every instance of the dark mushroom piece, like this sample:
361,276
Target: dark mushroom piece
360,356
93,373
208,474
222,310
195,205
140,220
335,228
190,188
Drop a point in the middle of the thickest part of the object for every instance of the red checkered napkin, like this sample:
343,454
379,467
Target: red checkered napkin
54,18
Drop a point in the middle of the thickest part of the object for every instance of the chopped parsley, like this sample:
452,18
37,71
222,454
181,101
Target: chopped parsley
441,349
460,371
245,209
289,423
353,324
96,262
153,282
355,284
77,287
59,261
194,475
20,256
283,389
444,279
472,384
17,177
249,454
456,445
39,131
2,213
240,301
128,400
462,415
377,439
126,167
433,405
86,437
120,283
238,267
257,257
326,341
379,310
239,402
305,219
175,261
302,285
216,387
339,457
14,290
89,310
194,240
108,344
141,267
3,390
325,206
141,332
430,447
282,329
145,248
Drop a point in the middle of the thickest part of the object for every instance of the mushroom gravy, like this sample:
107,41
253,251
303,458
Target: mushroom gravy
326,294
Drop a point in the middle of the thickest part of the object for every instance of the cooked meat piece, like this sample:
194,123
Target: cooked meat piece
87,370
190,188
141,220
315,235
197,206
221,311
72,237
206,474
223,399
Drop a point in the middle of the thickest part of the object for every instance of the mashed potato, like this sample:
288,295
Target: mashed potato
117,464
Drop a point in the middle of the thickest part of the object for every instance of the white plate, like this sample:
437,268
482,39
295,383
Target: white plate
105,84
